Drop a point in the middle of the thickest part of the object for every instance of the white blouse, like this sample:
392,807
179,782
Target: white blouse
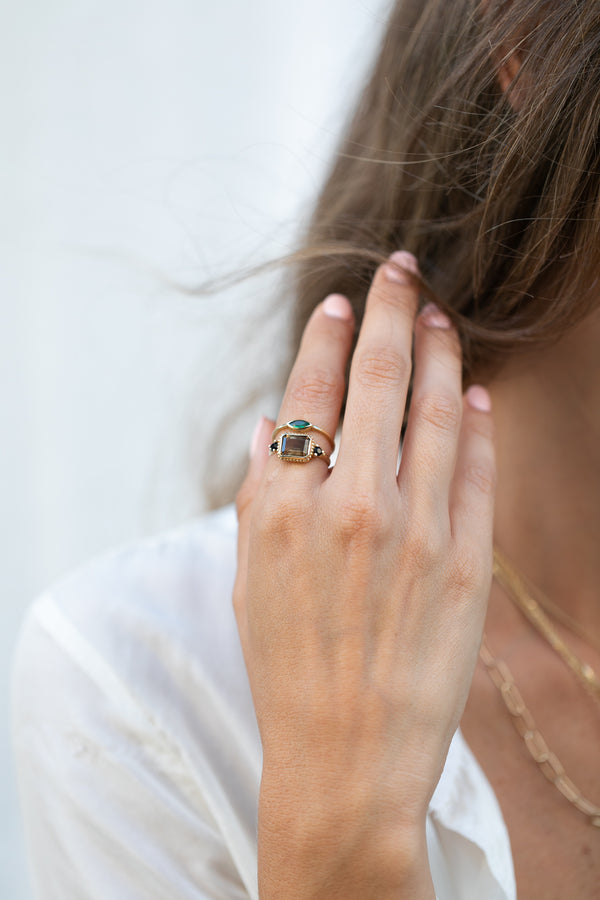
137,749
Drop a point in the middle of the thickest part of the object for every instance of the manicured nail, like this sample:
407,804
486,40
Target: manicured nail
399,260
337,307
406,260
434,317
478,398
255,437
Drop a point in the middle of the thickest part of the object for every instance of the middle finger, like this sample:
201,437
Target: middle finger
380,375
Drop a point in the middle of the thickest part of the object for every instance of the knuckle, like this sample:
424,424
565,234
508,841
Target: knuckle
362,516
424,545
482,477
280,515
440,409
314,388
467,574
376,367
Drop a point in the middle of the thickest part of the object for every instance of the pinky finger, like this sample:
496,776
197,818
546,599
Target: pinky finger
474,484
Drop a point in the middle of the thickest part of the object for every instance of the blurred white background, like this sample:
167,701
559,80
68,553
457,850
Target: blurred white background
141,142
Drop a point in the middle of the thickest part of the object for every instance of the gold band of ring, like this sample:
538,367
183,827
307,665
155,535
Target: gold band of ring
300,448
301,425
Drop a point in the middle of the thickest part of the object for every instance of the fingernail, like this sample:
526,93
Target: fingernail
434,317
479,398
255,437
406,260
399,260
337,307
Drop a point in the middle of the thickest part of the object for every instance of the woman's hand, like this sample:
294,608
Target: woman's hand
361,595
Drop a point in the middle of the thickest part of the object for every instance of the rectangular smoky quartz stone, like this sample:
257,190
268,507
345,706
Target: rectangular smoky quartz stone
295,446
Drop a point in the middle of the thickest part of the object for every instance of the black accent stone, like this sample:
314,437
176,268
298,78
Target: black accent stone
273,446
318,452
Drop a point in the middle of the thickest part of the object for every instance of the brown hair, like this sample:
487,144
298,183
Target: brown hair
496,192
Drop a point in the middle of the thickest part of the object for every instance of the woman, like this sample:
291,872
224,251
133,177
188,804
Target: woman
310,746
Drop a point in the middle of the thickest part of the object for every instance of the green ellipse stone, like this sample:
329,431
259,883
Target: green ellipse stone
299,424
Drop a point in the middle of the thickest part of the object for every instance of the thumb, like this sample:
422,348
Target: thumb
259,454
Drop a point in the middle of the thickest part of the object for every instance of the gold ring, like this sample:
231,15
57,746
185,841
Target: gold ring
298,448
302,425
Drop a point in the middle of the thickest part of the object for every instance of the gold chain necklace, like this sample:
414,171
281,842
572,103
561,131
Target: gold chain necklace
559,615
509,578
539,751
521,717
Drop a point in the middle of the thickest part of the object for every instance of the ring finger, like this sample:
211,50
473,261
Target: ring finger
431,441
315,388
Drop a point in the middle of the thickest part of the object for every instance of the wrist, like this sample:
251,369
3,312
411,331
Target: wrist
310,847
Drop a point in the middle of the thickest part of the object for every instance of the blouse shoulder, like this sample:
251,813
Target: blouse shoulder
170,590
156,613
133,725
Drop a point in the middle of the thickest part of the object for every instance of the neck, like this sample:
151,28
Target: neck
546,410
